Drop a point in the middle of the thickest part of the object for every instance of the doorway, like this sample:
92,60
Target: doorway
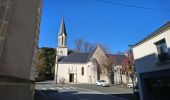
71,78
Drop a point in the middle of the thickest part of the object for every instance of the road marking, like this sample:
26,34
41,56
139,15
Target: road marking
52,88
43,88
58,88
72,87
87,93
66,88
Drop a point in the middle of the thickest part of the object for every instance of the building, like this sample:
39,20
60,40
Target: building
81,67
72,66
152,61
19,34
119,63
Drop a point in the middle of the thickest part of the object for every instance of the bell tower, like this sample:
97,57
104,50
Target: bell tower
62,49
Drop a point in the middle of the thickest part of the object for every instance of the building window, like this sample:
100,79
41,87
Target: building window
62,42
162,50
82,71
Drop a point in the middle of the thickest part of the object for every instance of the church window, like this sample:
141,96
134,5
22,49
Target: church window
62,41
82,71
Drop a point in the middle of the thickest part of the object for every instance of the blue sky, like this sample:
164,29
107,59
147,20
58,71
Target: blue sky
115,26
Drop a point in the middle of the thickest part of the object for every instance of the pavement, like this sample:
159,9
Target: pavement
117,89
50,91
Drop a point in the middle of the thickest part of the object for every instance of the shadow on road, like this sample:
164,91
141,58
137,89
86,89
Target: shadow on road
72,95
128,96
45,94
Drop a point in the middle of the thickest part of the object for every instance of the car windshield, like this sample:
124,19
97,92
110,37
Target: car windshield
102,81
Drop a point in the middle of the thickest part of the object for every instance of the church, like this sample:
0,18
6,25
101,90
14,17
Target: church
80,67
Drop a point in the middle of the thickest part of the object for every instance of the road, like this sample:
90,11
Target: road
49,91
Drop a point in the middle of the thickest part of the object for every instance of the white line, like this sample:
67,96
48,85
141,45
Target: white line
43,88
52,88
86,93
58,88
66,88
72,87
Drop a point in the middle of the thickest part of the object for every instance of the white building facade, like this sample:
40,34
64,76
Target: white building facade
77,72
73,67
152,61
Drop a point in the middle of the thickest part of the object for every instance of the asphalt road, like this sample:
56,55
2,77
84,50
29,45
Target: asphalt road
49,91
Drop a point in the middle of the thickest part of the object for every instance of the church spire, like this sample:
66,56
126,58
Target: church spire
62,49
62,36
62,28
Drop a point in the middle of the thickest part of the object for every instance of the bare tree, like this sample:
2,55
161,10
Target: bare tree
83,46
130,67
79,44
107,68
104,48
88,47
120,53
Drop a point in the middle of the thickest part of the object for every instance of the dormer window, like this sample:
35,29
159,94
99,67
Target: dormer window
162,50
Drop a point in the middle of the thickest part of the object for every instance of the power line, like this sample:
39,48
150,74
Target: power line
133,6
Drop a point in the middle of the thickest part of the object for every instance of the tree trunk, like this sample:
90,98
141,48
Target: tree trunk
120,77
110,81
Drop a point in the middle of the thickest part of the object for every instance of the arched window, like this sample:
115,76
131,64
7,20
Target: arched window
62,41
82,71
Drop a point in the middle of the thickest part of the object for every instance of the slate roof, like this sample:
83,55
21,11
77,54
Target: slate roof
116,59
75,57
79,57
158,31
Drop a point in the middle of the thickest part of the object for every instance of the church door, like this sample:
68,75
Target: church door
71,78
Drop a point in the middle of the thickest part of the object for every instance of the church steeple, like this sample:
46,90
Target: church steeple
62,28
62,35
62,49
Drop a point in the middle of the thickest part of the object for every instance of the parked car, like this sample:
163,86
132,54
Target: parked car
130,85
102,83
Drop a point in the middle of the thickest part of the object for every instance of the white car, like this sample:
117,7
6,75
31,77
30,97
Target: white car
130,85
102,83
